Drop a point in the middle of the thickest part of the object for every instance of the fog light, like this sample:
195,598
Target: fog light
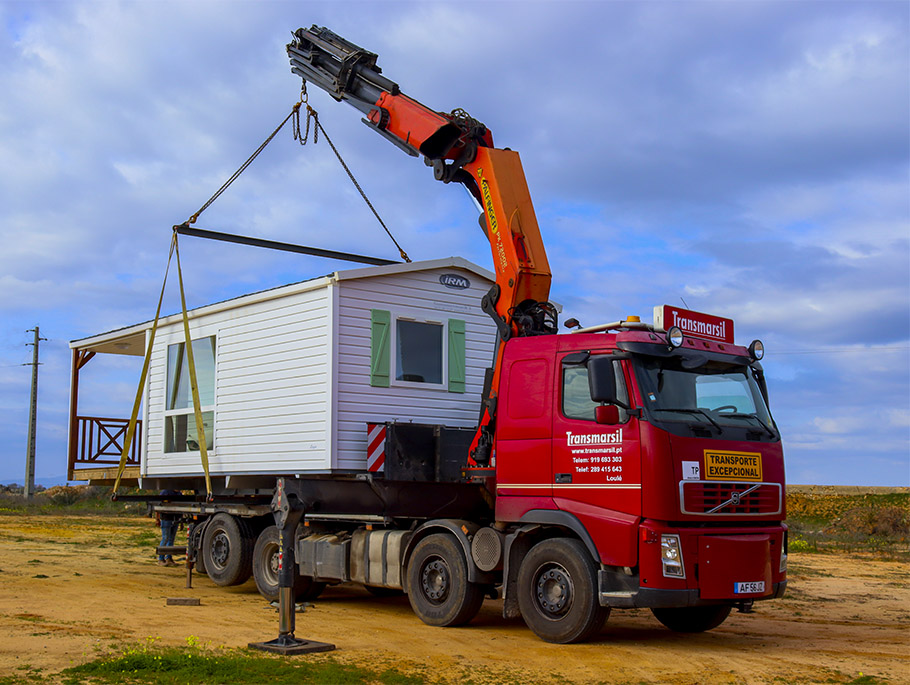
674,337
783,563
671,556
756,349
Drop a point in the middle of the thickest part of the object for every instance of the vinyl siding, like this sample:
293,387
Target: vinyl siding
272,366
293,391
418,295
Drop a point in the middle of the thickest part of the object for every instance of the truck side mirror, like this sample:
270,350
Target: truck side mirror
606,414
602,379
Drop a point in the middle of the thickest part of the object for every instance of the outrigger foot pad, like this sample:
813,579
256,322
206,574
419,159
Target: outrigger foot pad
290,645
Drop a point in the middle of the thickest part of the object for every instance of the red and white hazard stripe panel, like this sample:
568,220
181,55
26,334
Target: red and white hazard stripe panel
376,447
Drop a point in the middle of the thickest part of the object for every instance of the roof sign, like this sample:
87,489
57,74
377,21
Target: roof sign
694,324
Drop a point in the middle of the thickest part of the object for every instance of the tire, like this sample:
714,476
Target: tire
227,550
313,592
557,592
265,568
438,587
692,619
196,539
199,565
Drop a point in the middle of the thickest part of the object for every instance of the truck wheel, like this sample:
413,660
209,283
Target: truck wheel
438,586
557,592
313,592
692,619
265,568
227,550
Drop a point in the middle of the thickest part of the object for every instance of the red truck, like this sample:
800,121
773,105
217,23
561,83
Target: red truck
615,466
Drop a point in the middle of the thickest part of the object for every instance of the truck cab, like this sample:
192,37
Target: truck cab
659,451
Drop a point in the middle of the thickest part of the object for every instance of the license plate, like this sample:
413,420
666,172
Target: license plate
749,588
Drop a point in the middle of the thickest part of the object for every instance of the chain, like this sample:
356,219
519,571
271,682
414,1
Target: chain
294,115
294,110
317,127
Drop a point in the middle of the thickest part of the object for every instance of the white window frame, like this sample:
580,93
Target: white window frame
189,411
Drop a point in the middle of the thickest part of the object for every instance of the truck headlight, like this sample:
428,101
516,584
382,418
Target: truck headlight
674,337
671,556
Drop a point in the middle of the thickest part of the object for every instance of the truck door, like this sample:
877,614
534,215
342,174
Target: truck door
596,467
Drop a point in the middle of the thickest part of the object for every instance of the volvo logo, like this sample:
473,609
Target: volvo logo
455,281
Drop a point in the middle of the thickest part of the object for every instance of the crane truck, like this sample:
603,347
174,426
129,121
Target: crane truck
621,465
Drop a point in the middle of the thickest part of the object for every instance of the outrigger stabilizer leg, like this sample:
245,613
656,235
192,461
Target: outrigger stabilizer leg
288,510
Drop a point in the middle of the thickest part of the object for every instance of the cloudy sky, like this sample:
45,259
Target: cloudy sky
750,158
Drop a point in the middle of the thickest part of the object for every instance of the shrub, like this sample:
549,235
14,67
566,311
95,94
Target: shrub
869,521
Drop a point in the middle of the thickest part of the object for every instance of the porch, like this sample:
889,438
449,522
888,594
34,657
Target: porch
96,442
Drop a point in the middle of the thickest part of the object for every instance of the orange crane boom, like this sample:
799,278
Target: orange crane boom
460,149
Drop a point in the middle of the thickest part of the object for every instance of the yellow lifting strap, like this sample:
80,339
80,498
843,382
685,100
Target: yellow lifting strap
194,387
131,428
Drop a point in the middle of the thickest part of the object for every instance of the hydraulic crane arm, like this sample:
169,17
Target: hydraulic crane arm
459,148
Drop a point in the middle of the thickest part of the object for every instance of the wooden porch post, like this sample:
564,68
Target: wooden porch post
80,359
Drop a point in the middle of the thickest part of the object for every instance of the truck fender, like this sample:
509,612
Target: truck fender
563,519
519,542
194,535
462,530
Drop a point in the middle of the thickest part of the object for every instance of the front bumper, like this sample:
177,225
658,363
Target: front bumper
652,598
711,566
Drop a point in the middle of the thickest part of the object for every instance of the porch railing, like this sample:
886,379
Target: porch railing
100,441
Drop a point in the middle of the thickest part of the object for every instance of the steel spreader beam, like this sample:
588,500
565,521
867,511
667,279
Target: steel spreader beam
185,229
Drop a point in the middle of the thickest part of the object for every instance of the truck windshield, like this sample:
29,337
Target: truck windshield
675,389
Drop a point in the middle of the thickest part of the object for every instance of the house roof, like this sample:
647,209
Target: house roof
130,340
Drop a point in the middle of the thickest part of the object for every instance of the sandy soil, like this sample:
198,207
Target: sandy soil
73,586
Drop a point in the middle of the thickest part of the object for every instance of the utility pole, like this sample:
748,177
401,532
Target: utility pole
29,488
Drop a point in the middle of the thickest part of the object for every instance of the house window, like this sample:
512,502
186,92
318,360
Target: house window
180,432
412,351
418,351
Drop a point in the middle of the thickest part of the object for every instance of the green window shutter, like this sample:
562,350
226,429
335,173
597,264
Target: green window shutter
380,357
456,355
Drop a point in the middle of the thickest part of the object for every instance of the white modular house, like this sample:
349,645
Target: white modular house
289,378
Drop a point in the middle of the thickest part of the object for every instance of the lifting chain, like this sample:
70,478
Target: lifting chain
294,115
294,110
312,114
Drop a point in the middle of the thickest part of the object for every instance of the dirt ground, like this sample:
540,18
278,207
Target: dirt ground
73,586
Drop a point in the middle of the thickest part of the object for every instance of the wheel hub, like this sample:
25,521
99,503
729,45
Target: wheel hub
221,550
554,590
274,562
435,580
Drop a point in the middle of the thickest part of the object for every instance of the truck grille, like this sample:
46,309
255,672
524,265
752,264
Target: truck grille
712,498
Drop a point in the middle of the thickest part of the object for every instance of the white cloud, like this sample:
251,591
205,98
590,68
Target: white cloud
751,157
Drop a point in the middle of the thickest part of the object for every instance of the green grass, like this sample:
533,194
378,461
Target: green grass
146,538
79,500
149,663
23,674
